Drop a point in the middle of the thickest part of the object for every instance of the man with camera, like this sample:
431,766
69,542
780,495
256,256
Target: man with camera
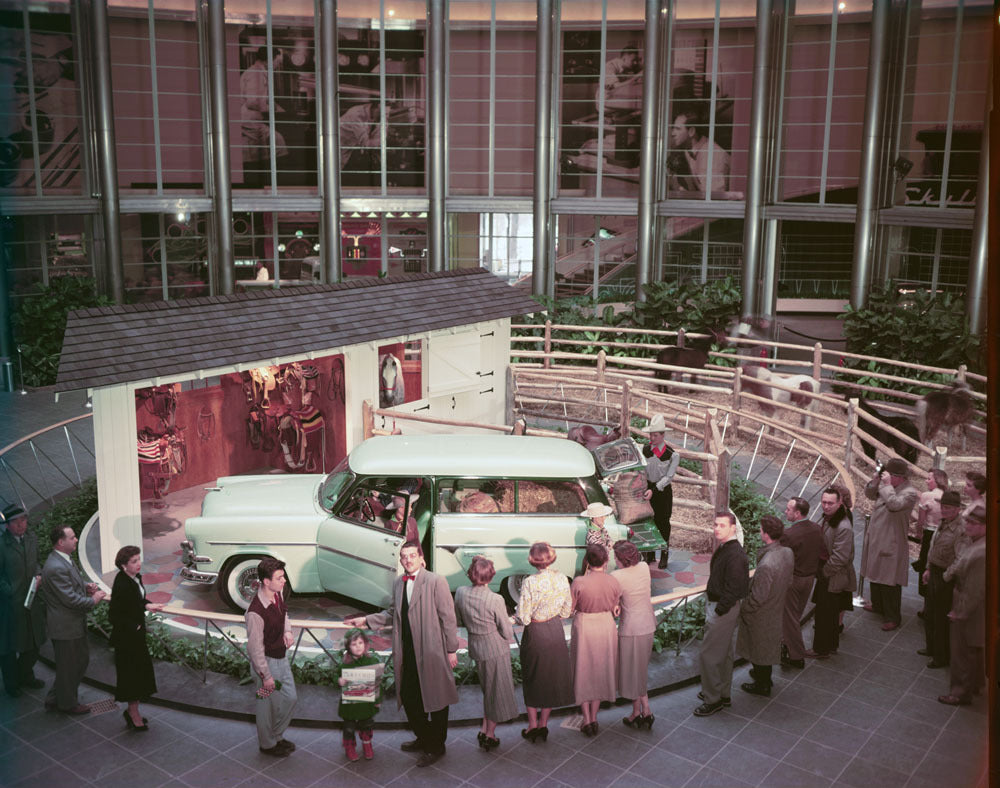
885,555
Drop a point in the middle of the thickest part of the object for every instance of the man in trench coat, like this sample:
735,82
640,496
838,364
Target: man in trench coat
18,566
885,557
424,646
759,637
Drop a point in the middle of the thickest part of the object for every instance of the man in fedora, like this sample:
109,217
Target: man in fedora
885,555
661,465
18,567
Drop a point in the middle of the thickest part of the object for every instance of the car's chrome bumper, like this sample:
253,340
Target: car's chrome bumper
191,561
197,576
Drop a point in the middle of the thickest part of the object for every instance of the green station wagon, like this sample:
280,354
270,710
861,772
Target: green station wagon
460,495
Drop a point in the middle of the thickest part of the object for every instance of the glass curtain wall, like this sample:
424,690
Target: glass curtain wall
40,123
156,84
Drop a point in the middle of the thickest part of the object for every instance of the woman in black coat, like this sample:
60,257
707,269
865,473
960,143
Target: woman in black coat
128,636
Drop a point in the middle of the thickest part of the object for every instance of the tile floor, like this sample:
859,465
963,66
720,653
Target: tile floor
865,717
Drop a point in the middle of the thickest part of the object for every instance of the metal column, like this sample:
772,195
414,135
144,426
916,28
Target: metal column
107,162
646,237
542,275
979,259
871,147
329,143
219,112
756,158
437,165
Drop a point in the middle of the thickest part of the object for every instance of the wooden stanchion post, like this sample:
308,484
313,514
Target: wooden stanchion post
940,457
737,399
817,364
680,337
602,360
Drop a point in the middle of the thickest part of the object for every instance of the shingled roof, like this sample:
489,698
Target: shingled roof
118,344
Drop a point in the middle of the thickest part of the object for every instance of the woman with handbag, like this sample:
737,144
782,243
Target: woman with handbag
661,465
133,665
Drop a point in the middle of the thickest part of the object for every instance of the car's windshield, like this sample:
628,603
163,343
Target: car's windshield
334,485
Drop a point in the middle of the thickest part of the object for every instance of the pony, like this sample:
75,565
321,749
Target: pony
391,390
694,356
898,446
950,408
590,438
757,380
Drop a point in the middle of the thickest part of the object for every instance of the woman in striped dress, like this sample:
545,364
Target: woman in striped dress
545,666
484,615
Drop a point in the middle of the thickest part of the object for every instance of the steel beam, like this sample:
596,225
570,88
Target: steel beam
107,162
437,169
646,227
756,159
979,259
871,146
329,143
542,275
219,119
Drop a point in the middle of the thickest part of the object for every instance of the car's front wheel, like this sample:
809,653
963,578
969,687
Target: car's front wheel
510,588
238,582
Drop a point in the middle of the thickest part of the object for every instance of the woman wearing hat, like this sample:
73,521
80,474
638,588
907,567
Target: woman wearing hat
661,465
596,532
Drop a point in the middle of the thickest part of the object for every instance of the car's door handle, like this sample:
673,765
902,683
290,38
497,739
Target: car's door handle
390,540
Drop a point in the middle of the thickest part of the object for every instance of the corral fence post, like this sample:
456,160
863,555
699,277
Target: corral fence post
737,398
940,457
960,375
680,337
818,363
547,362
509,396
852,425
722,480
711,445
626,413
602,360
367,419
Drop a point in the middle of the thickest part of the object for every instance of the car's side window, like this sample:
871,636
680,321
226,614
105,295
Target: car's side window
473,496
393,504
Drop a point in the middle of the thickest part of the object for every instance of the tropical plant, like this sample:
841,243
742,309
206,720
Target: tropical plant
919,327
749,506
40,321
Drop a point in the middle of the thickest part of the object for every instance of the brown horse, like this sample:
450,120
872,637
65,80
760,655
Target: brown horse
948,409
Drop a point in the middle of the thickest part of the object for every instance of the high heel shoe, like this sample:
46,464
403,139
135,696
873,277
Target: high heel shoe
648,721
543,733
635,722
481,737
489,743
131,724
530,734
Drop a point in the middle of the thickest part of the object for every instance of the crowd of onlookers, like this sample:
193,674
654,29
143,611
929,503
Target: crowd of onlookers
756,617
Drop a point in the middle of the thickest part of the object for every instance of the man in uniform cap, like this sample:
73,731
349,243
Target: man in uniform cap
968,616
25,625
945,546
885,555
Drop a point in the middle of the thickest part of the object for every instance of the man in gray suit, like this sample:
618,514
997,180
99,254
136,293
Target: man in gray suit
18,568
67,600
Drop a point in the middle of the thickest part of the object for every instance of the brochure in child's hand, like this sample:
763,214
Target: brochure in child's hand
264,693
362,684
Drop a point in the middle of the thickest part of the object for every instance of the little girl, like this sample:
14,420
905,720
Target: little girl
358,716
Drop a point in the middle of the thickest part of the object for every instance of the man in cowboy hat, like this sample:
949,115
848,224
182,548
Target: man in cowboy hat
885,555
661,465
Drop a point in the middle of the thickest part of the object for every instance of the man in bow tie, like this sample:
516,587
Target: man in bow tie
424,646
